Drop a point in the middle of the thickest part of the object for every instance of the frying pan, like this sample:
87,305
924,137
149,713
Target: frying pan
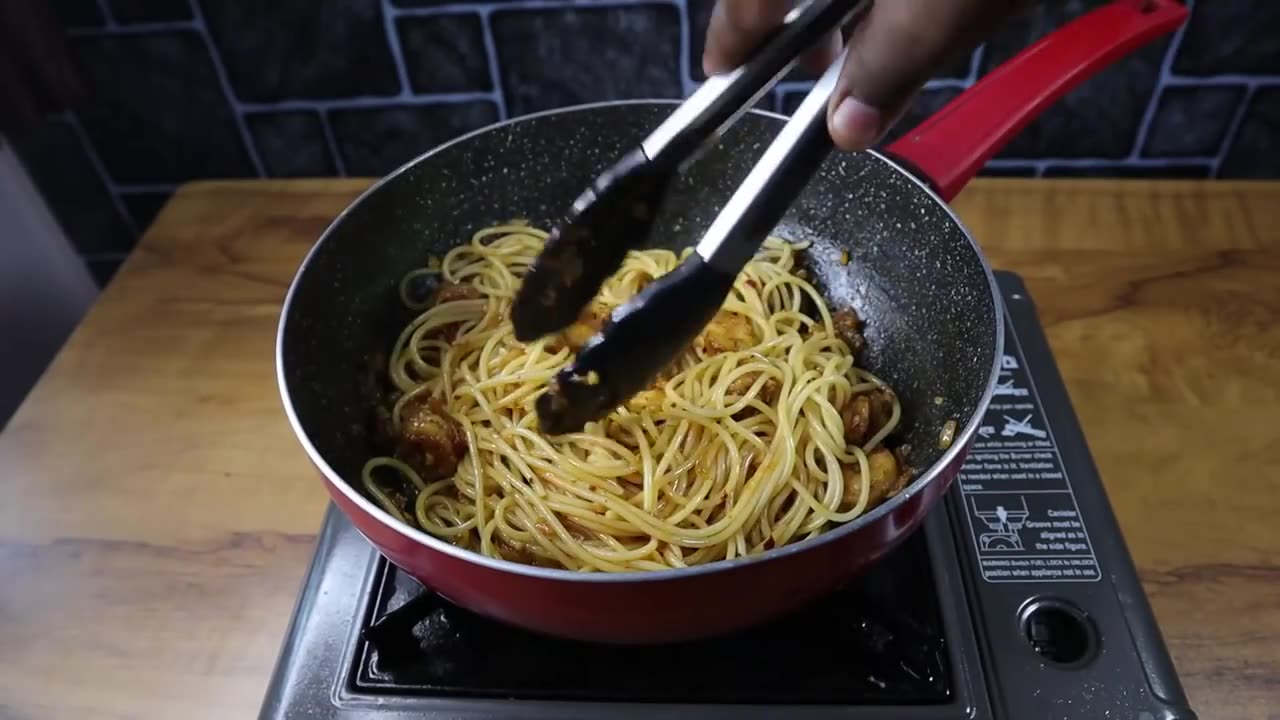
933,314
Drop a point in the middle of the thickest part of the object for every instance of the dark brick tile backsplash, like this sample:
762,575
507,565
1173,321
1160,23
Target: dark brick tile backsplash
699,17
959,67
1256,151
158,113
1192,120
567,56
1230,37
377,140
302,49
61,166
190,89
1099,119
291,144
1188,171
445,53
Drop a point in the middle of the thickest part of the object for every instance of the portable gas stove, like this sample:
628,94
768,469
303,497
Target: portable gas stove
1017,599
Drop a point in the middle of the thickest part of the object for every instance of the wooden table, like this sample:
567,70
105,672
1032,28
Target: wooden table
157,514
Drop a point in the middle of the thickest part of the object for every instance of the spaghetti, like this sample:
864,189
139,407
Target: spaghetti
764,433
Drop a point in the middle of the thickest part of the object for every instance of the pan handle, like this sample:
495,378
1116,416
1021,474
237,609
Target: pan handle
951,147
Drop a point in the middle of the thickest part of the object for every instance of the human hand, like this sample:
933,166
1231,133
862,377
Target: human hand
892,53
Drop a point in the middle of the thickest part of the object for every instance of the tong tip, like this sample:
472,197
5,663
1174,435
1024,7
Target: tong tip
588,245
641,338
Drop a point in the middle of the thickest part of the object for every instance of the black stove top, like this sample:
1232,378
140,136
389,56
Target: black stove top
1017,599
879,641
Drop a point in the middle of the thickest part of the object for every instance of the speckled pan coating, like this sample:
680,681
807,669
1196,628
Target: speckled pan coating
913,274
930,302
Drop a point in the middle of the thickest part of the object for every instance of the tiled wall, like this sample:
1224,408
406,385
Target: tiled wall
188,89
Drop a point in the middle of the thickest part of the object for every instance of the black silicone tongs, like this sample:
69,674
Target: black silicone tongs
614,216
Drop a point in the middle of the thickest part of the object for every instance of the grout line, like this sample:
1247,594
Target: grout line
1157,92
687,84
1003,164
225,82
486,9
1167,78
393,44
1226,80
1009,162
1229,139
339,163
801,86
497,88
941,83
101,169
1141,136
1041,168
975,63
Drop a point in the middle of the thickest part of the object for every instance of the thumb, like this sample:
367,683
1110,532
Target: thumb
893,52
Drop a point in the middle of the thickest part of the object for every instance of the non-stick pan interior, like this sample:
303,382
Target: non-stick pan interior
912,274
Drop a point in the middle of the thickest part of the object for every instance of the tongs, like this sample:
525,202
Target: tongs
615,214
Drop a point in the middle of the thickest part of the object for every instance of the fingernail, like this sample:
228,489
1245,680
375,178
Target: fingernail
855,125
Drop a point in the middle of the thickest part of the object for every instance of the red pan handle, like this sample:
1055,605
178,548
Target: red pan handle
952,146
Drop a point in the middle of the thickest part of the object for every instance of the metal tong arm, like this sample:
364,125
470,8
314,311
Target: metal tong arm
721,99
650,330
615,214
774,183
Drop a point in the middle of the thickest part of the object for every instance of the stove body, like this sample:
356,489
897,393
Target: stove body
1016,599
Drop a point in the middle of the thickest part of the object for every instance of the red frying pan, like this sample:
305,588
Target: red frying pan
934,320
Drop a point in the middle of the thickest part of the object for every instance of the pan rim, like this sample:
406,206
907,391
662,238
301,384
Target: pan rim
949,457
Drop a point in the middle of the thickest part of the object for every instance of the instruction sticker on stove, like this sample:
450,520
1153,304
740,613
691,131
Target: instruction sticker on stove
1022,512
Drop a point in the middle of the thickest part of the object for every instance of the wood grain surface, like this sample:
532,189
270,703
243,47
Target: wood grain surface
157,514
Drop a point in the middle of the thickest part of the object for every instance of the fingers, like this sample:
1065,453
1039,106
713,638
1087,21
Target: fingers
893,52
739,26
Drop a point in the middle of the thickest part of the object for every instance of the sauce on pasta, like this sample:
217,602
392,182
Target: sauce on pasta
763,433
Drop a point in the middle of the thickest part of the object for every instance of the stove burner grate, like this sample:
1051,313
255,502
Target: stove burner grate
878,641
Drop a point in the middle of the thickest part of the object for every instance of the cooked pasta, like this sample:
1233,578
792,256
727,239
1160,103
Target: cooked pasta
765,432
